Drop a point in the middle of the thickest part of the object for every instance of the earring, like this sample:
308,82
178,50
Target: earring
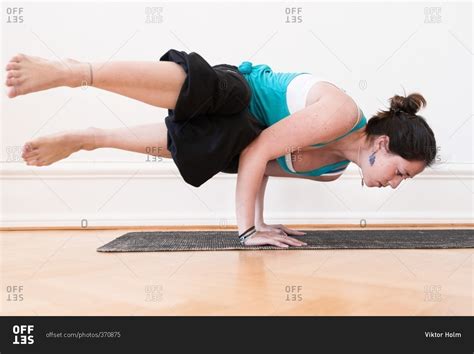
372,159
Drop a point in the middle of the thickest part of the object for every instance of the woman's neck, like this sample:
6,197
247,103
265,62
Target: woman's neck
348,147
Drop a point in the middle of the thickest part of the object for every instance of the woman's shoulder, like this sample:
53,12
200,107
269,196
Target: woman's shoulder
323,87
327,91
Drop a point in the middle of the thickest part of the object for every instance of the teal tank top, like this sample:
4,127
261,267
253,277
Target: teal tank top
268,104
268,101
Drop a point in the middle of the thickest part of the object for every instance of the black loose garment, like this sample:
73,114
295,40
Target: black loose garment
211,123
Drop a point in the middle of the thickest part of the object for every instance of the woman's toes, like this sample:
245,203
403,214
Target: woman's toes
13,73
34,159
27,148
12,81
34,162
31,161
34,74
13,66
12,92
18,57
32,145
29,154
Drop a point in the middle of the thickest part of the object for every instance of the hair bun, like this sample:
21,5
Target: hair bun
410,104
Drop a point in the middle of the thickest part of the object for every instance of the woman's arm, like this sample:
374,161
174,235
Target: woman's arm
252,164
259,220
325,120
250,178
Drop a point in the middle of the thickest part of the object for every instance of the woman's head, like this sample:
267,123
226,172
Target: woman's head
400,142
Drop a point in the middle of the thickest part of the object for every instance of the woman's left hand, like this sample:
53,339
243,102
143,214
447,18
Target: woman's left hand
279,228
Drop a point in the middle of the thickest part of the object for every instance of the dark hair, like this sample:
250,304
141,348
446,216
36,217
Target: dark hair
410,135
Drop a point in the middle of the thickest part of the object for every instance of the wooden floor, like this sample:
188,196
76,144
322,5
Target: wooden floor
59,272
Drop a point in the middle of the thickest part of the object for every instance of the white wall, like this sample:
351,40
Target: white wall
372,50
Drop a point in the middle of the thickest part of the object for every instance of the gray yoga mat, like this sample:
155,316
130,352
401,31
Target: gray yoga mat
334,239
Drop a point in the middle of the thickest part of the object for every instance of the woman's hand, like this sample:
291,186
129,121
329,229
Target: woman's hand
273,238
282,229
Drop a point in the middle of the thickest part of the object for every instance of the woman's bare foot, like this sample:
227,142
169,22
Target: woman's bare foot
45,150
26,74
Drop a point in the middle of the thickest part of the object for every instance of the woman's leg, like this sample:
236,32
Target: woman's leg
150,139
156,83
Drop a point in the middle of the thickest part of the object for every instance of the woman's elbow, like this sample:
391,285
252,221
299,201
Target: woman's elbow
255,151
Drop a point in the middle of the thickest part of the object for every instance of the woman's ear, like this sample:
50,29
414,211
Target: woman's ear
382,144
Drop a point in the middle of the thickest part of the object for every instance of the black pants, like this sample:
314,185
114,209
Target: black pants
211,123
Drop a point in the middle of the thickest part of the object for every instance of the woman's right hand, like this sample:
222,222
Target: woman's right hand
273,238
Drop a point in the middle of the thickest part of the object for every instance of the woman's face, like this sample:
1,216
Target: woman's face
388,169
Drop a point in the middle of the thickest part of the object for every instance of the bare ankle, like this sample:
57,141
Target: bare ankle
77,74
91,136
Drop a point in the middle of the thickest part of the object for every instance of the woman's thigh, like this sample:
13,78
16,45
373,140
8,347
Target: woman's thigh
155,83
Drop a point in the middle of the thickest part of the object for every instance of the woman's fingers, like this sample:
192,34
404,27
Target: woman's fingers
281,229
275,228
291,241
287,231
275,237
279,244
293,232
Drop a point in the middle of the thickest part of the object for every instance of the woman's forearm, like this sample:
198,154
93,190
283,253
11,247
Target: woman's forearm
260,202
251,172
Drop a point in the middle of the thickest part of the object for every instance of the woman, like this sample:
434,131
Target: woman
247,119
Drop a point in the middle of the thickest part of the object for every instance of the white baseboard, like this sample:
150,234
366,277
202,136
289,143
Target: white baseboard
149,194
